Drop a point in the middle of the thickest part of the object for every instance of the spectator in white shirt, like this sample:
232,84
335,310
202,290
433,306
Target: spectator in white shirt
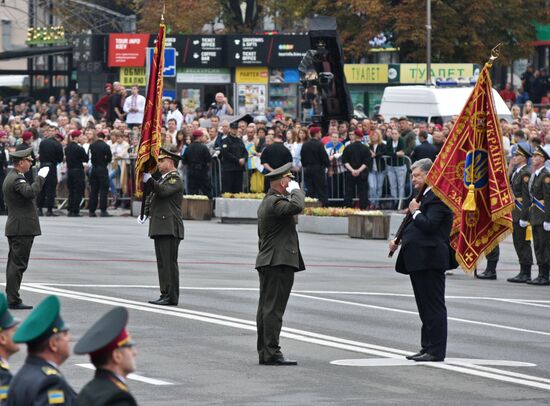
175,114
85,117
134,106
171,130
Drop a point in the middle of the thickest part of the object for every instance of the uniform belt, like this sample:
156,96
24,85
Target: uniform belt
539,203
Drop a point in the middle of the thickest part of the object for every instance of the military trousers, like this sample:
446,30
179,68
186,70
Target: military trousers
18,260
316,186
166,250
199,182
429,293
541,241
275,286
232,181
99,185
76,183
362,184
46,197
522,247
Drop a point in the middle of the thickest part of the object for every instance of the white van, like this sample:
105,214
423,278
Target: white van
431,104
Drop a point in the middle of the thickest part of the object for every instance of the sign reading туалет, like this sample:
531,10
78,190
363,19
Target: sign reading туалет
416,72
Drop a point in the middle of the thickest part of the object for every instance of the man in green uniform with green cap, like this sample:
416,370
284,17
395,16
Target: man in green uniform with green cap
163,206
22,224
8,326
278,259
113,354
39,381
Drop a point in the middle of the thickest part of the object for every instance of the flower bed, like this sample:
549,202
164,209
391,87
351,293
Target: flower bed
237,209
196,207
325,220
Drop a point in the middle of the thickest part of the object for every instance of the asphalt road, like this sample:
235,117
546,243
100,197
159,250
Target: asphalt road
349,322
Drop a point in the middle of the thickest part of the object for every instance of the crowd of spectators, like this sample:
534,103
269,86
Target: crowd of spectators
373,173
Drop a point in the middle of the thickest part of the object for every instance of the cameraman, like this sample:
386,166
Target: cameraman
220,107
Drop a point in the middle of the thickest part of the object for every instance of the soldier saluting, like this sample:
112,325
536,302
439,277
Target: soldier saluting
540,215
519,180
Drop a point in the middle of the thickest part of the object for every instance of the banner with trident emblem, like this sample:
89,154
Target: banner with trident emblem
470,176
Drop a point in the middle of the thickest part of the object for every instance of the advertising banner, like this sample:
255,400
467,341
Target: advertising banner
127,50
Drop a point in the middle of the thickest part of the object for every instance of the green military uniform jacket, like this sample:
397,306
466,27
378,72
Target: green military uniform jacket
20,197
278,240
540,192
5,379
163,206
106,389
520,189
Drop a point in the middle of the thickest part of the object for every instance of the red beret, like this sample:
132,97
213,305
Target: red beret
108,85
75,133
358,132
27,135
314,130
197,133
60,135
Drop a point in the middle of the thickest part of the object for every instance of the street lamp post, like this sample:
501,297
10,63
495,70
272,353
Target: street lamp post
428,42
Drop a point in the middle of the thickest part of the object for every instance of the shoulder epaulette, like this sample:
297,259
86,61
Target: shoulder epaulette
49,371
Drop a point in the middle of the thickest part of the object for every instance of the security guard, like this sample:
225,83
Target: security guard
520,216
50,153
22,224
233,157
197,159
540,215
75,156
278,259
163,205
112,353
100,156
7,347
315,162
39,381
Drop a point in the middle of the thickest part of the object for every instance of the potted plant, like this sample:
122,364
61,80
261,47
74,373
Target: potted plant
196,207
238,207
370,224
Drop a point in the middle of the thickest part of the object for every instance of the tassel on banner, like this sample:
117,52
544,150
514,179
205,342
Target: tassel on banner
470,201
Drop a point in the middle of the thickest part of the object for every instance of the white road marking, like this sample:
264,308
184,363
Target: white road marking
391,309
134,377
385,362
299,335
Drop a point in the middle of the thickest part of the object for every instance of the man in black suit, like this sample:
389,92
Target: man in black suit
425,149
425,255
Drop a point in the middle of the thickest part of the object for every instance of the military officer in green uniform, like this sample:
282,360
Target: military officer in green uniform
519,180
278,259
113,354
8,326
22,224
163,208
540,215
39,381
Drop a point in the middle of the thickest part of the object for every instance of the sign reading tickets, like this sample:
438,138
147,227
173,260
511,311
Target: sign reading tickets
132,76
127,50
416,72
252,75
366,73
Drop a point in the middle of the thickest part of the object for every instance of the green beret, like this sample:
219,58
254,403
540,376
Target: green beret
280,172
21,154
43,322
7,321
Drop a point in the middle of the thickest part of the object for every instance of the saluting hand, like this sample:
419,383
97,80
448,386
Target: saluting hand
292,185
43,172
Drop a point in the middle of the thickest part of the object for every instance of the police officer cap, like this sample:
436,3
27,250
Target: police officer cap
281,172
7,321
541,152
164,153
520,150
245,117
43,322
107,334
22,154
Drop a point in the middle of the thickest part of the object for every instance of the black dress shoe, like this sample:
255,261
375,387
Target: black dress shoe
521,278
418,354
163,302
19,306
40,213
539,281
92,214
105,214
428,358
487,275
50,213
280,361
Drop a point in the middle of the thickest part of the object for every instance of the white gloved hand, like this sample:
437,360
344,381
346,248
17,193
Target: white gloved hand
43,172
141,220
292,185
523,223
146,177
546,226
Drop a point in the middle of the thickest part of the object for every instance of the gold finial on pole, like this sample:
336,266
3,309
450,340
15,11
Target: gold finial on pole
495,53
163,11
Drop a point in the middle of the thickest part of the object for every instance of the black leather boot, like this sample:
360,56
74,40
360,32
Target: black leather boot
523,276
490,272
542,279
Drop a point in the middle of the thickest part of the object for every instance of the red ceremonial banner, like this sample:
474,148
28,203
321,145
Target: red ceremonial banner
127,50
470,176
149,145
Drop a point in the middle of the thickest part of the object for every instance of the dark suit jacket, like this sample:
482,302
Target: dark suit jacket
105,389
424,150
20,198
163,206
380,152
39,383
278,239
425,243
